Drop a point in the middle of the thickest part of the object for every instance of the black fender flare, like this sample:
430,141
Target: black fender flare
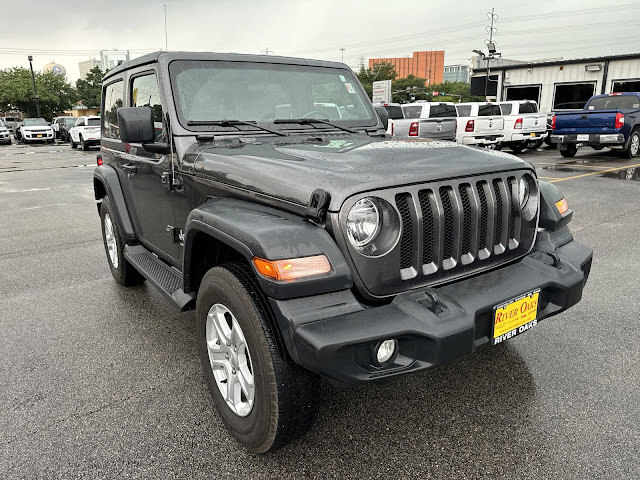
550,217
256,230
107,176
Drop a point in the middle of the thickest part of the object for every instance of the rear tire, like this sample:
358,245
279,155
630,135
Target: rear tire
280,399
73,144
535,144
517,147
633,149
122,271
570,152
83,145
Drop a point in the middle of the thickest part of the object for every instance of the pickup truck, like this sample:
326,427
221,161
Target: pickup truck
435,120
611,120
524,127
480,123
394,112
313,248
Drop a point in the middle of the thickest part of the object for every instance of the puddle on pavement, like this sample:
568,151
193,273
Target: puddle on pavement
624,174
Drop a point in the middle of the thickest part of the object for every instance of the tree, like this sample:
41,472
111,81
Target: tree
409,89
458,92
90,88
379,71
16,92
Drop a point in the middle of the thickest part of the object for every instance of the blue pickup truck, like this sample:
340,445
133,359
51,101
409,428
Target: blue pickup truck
611,120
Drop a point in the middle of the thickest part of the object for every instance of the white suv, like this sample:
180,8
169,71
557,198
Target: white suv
85,133
36,130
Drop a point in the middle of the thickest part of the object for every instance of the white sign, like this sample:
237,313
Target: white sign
382,91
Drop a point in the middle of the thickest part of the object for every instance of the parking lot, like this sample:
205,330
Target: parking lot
102,381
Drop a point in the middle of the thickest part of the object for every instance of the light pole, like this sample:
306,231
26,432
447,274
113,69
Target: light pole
342,54
33,80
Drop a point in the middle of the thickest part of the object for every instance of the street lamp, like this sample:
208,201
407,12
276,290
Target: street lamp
35,92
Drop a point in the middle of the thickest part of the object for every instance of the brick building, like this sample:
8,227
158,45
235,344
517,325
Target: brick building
427,64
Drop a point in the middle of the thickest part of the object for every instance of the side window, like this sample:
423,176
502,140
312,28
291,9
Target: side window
145,93
113,96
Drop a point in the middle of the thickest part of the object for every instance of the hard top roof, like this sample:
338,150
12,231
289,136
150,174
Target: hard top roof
229,57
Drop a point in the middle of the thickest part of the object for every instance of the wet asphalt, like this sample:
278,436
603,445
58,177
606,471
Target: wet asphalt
102,381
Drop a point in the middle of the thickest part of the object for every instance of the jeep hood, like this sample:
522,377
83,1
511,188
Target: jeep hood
292,170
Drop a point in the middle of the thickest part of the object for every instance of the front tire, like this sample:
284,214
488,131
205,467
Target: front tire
122,271
73,144
633,149
273,401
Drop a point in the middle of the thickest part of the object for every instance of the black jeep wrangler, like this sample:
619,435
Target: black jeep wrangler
263,192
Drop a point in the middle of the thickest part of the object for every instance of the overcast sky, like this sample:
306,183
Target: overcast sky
68,31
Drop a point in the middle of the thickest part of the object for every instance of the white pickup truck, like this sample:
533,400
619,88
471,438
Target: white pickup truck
435,120
479,123
524,127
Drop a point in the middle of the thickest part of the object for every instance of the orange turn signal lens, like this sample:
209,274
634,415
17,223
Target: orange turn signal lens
293,268
562,206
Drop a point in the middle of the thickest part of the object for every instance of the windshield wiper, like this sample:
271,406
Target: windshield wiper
311,121
233,123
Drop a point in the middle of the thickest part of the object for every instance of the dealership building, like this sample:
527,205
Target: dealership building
557,84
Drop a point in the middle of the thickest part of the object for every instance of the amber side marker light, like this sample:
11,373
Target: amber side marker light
292,268
562,206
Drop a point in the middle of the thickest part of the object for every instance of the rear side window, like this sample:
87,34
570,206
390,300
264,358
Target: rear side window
145,93
506,108
412,112
93,122
489,110
464,110
112,96
442,111
528,108
614,102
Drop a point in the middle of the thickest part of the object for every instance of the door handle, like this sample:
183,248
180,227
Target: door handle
129,168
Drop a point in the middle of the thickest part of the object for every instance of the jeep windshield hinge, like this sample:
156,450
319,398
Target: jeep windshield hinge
176,235
318,205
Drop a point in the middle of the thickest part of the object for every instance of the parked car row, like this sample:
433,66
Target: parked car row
82,131
514,124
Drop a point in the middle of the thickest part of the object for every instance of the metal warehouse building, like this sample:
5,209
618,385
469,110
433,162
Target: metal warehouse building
559,84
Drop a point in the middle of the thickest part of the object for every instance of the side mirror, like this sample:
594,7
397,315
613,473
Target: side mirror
384,116
136,124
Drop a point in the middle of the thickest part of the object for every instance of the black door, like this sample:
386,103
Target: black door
144,176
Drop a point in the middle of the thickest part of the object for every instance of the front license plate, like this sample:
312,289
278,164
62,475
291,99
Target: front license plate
583,138
515,317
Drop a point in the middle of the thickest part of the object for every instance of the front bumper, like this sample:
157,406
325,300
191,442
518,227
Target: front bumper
38,137
335,336
590,138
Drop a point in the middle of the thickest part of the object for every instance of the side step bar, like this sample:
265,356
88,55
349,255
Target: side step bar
165,278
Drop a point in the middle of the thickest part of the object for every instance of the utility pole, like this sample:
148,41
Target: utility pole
491,46
166,43
33,80
361,62
266,51
342,54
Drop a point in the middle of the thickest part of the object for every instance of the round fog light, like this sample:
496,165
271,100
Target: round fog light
385,351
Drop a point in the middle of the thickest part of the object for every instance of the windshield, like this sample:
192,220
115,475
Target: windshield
442,111
488,110
35,122
209,91
1,124
528,108
614,102
413,111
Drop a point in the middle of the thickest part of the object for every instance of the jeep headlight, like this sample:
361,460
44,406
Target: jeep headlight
363,222
523,192
528,196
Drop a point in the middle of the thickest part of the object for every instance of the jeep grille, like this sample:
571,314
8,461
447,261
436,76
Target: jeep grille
449,229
